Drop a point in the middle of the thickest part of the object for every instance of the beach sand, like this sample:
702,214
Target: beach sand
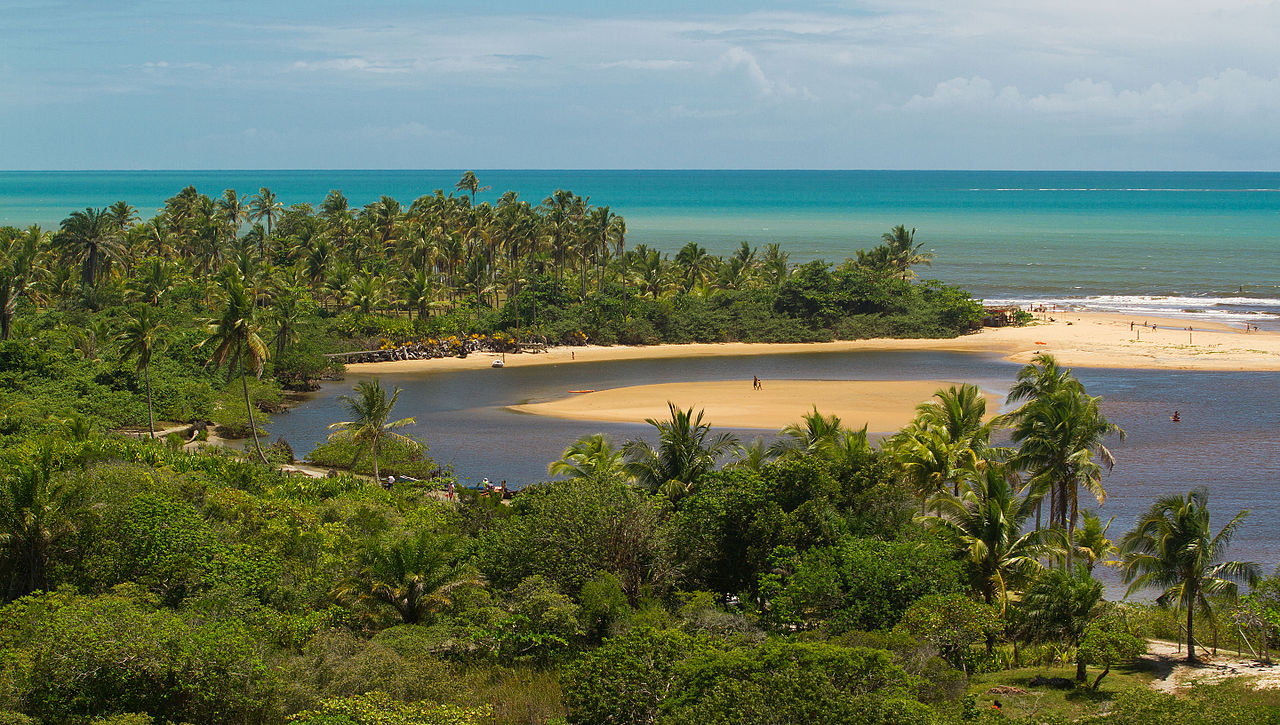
880,405
1081,339
1075,339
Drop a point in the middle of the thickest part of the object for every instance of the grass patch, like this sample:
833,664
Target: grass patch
397,456
1020,700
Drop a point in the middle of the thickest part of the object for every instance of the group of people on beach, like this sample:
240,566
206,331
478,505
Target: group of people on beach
486,488
755,383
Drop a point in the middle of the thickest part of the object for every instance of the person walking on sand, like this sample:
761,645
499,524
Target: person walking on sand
755,382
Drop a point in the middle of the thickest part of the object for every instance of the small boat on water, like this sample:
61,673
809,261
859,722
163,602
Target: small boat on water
497,363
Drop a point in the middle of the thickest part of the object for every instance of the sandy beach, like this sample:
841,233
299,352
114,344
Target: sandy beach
880,405
1077,339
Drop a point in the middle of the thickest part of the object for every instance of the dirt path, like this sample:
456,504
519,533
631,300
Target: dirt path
1174,674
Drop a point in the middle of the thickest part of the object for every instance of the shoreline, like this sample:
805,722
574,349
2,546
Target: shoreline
1076,339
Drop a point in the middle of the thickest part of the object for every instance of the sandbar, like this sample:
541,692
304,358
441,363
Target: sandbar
881,405
1076,339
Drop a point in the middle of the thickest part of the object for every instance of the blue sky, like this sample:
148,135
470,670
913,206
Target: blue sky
1114,84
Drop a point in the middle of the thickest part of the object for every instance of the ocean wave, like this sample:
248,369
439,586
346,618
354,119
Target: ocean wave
1223,309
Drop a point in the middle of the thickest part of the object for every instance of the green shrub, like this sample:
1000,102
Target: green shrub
400,456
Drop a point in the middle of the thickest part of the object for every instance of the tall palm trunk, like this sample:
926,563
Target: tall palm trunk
1191,621
534,276
622,255
376,477
248,406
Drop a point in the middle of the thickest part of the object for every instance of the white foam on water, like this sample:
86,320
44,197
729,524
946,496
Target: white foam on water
1221,309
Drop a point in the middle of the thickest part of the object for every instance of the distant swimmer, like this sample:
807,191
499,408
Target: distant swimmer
1175,417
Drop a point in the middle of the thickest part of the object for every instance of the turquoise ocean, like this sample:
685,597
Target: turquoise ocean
1201,245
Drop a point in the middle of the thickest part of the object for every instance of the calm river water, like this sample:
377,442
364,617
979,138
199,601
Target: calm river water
1227,439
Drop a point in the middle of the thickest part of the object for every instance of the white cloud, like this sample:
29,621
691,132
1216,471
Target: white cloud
653,64
889,76
1233,92
959,92
357,65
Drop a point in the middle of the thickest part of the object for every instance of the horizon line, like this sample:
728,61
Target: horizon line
638,169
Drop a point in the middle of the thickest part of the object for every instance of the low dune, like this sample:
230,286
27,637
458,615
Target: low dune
881,405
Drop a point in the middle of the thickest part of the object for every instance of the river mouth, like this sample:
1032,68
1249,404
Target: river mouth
1225,437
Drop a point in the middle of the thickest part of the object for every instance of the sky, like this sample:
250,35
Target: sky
888,84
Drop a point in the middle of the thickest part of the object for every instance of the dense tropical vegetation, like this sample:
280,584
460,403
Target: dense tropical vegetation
677,577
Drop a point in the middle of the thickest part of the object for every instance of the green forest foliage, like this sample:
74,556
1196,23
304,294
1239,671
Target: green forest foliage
335,278
822,580
203,588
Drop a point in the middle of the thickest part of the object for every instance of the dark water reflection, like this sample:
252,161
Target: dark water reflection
1227,439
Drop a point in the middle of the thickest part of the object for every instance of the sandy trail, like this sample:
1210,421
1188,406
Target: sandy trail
1173,674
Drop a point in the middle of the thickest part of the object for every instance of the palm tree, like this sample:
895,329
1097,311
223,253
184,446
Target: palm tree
1061,443
471,185
234,210
36,515
122,215
1041,379
904,252
959,412
384,215
686,451
264,205
618,234
90,237
236,340
370,410
815,435
752,457
694,264
286,312
334,205
852,447
1090,540
1174,548
154,281
775,264
18,255
591,457
419,291
367,293
986,525
415,575
931,461
651,272
141,339
1059,606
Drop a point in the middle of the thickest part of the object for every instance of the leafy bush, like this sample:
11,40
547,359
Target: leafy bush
229,412
399,456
